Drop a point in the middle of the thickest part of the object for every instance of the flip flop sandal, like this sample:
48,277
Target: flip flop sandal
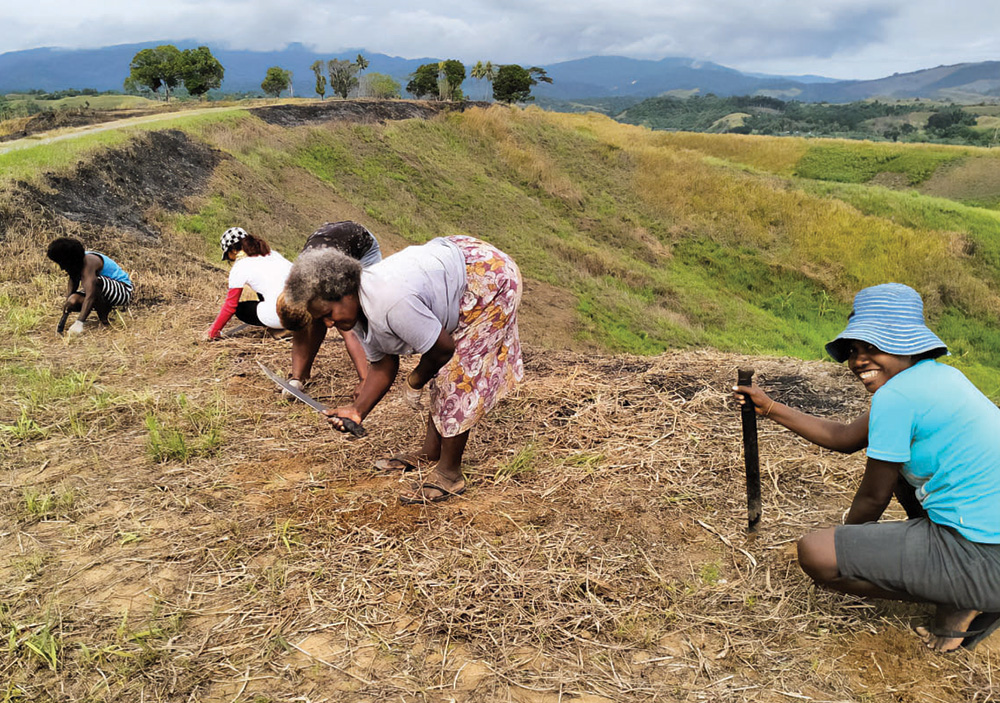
403,459
981,627
417,499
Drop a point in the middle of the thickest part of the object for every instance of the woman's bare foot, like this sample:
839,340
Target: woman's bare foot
950,628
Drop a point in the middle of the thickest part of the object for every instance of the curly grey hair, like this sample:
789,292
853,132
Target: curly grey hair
325,274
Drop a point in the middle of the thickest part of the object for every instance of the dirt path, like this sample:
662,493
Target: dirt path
73,132
287,114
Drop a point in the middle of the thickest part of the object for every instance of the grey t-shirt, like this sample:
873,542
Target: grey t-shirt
409,297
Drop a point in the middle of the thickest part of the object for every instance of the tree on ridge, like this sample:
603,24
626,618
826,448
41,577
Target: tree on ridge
166,66
276,80
342,78
317,68
156,68
201,71
485,72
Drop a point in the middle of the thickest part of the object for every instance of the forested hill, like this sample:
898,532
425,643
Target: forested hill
912,121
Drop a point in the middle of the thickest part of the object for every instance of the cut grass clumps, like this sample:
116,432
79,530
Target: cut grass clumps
520,464
184,431
41,504
861,162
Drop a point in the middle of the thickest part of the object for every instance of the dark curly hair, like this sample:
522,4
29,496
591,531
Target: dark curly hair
69,254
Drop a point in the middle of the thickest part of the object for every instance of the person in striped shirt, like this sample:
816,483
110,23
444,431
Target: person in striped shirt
96,282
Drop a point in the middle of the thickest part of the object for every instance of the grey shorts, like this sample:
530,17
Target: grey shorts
926,560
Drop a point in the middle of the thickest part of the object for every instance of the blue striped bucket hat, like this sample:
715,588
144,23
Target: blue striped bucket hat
889,316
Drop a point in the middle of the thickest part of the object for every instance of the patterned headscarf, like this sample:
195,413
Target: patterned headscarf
230,237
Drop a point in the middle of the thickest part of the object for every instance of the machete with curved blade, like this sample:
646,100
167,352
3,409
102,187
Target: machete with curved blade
349,424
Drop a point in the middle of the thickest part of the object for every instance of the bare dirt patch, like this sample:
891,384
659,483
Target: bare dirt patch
118,186
887,179
294,115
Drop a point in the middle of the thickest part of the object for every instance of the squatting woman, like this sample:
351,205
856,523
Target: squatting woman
257,266
103,282
932,438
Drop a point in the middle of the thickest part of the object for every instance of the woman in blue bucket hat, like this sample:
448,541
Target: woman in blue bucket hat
933,440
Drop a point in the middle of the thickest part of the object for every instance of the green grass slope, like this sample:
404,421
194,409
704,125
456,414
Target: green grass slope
661,241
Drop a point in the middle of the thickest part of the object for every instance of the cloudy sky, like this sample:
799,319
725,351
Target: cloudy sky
836,38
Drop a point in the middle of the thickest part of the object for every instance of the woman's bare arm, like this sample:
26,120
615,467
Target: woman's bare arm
874,493
432,360
380,376
92,264
829,434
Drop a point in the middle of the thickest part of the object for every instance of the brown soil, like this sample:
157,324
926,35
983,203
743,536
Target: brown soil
599,554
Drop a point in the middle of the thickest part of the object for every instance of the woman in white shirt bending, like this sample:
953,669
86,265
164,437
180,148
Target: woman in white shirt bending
257,266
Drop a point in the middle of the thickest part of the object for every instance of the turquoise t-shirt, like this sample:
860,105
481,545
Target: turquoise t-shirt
947,436
111,269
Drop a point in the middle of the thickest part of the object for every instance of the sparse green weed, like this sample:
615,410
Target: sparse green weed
23,429
38,642
186,431
287,534
709,573
522,463
57,502
17,317
585,460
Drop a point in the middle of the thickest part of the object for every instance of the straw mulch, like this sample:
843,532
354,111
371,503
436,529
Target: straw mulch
600,553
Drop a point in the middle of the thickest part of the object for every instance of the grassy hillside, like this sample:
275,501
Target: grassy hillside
660,246
173,531
661,240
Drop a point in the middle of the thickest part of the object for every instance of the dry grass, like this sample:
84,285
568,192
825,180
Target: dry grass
599,554
972,180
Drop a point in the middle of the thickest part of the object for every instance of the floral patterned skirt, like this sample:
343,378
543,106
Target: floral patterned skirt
487,361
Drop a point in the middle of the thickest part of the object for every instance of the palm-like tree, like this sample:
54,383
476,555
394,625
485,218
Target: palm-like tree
539,74
362,63
317,68
485,71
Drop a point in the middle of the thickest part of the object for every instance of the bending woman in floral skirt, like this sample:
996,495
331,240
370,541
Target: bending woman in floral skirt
454,301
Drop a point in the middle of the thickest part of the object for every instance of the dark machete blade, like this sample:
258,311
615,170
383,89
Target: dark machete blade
349,424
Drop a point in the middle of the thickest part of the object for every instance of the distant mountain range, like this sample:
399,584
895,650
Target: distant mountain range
106,68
